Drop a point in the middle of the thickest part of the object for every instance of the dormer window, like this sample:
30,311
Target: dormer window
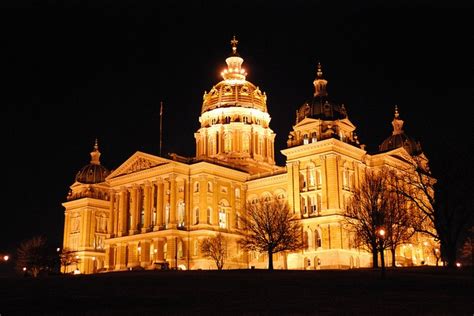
305,139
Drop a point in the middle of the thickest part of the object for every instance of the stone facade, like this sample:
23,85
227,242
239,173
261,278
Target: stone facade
152,210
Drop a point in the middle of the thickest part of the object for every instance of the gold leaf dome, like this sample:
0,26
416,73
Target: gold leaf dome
234,90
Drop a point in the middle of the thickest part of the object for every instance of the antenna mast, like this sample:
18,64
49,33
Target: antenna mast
161,125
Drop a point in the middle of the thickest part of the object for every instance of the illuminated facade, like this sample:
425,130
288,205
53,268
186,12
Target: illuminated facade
152,210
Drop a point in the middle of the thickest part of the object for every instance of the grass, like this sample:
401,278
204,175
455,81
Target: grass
425,291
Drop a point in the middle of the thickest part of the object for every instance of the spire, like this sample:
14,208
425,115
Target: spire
234,69
95,154
320,83
234,43
397,123
319,72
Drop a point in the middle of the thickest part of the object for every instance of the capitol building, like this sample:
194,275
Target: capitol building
151,209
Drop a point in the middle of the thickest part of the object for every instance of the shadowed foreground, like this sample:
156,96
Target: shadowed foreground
355,292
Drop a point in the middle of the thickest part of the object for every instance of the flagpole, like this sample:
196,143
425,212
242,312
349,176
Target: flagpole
161,125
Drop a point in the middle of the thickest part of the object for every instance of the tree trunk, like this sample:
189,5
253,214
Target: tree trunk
382,258
393,257
270,260
375,263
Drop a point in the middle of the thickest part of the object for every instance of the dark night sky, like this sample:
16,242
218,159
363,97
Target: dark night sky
78,70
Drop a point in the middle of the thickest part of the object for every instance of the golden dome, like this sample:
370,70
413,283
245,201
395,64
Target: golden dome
234,90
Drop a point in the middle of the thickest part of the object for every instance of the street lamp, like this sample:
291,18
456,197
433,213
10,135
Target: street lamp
5,258
381,234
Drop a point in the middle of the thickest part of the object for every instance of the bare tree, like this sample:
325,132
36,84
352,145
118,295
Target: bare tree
33,256
365,212
398,220
446,216
67,257
270,227
215,248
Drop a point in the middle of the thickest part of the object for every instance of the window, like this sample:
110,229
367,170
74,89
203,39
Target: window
196,215
314,137
209,187
180,249
227,142
195,247
317,239
222,218
165,250
305,240
313,205
167,213
305,139
318,178
246,143
209,216
237,220
196,186
181,214
237,193
153,220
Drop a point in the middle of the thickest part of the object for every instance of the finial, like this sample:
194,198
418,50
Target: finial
234,43
320,70
397,123
95,154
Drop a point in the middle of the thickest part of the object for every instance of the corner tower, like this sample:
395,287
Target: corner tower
235,124
319,119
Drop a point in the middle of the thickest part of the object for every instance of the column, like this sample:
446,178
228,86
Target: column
121,263
172,201
332,182
133,210
145,253
67,220
122,218
159,205
202,199
147,220
107,257
110,220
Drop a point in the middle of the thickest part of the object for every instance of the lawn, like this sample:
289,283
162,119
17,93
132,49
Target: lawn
426,291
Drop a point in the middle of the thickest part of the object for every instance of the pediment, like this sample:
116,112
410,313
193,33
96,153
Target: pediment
306,121
401,153
138,162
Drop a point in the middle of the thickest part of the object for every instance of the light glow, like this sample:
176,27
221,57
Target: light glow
5,258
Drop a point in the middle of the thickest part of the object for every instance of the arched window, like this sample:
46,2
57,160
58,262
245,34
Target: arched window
196,215
196,186
209,221
305,139
180,214
317,239
209,187
314,137
304,205
345,179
